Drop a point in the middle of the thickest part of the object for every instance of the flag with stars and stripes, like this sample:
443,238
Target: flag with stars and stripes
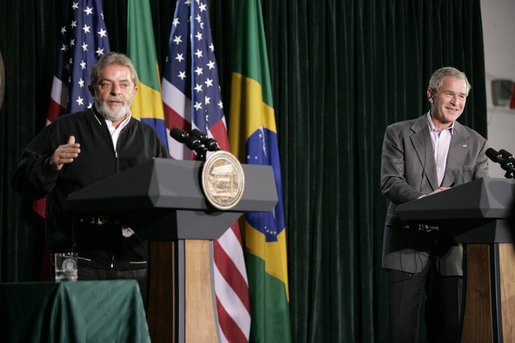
83,41
253,138
192,99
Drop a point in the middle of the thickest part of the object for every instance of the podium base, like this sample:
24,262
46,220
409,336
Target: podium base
182,302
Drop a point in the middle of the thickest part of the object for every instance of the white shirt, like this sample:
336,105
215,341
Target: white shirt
441,140
115,132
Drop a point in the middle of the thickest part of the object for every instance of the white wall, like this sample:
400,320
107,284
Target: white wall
499,41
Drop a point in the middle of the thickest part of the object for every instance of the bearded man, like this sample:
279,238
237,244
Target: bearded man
79,149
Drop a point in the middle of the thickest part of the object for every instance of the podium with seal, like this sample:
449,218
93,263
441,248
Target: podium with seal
181,207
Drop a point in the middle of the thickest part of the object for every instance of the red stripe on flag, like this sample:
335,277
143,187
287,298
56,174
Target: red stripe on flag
54,110
229,327
219,133
174,119
231,274
39,207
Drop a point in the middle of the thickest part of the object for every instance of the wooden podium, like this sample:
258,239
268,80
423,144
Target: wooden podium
477,214
162,201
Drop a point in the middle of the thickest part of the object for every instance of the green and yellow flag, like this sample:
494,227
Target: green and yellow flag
147,104
253,139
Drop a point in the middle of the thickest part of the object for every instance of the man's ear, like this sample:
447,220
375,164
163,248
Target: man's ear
430,95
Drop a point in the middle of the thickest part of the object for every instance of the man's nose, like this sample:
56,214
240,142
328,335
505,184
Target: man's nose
115,89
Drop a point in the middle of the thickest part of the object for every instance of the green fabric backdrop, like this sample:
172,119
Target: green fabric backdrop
341,72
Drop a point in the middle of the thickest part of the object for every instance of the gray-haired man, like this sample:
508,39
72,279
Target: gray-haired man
421,157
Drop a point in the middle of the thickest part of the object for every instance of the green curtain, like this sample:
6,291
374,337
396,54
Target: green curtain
341,72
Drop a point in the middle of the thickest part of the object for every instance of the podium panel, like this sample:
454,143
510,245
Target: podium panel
162,199
477,214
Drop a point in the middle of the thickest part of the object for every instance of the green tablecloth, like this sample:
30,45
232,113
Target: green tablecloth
82,311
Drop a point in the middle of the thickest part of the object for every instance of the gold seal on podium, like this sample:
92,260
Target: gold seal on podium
223,180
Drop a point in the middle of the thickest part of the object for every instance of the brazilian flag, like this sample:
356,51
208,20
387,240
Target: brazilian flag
147,104
253,139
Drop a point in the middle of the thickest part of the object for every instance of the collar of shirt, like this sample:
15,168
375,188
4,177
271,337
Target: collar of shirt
432,127
115,131
441,141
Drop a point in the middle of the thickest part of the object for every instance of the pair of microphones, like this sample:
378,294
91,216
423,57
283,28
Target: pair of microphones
505,159
196,141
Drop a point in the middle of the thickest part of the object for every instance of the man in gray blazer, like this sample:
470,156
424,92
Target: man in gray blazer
421,157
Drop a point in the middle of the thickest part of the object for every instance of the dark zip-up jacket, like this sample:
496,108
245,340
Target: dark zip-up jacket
34,179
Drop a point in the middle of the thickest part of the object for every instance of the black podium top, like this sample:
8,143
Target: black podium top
482,198
166,183
475,212
163,199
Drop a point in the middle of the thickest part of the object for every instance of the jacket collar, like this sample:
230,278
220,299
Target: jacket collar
99,118
421,141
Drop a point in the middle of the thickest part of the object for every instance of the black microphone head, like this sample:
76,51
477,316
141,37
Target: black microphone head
211,144
197,133
178,134
506,154
193,143
493,155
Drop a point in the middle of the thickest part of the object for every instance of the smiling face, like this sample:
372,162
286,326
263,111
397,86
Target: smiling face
114,92
449,102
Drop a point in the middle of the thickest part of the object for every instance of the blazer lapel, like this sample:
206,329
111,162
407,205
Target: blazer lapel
421,141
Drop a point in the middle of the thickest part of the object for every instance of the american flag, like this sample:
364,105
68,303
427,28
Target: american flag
83,41
192,99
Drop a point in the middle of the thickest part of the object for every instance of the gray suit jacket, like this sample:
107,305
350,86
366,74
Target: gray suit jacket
408,171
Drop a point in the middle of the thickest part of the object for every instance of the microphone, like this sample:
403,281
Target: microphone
179,135
506,155
494,155
192,141
210,143
508,162
505,159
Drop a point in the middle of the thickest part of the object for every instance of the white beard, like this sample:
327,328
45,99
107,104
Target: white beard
106,112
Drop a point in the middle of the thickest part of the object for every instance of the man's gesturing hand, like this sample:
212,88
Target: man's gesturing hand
65,154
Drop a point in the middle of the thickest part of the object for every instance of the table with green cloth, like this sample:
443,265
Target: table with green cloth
81,311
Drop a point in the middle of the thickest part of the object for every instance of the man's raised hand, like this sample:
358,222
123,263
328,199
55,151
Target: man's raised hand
65,154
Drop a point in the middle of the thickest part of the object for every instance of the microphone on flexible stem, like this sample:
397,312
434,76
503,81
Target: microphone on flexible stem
506,155
508,163
505,159
494,155
193,142
179,135
210,143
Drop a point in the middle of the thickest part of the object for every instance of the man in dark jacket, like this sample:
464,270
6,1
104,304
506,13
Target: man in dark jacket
82,148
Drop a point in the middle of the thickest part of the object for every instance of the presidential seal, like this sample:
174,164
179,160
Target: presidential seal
223,180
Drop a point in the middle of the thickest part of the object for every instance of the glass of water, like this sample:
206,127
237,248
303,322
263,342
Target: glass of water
65,264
